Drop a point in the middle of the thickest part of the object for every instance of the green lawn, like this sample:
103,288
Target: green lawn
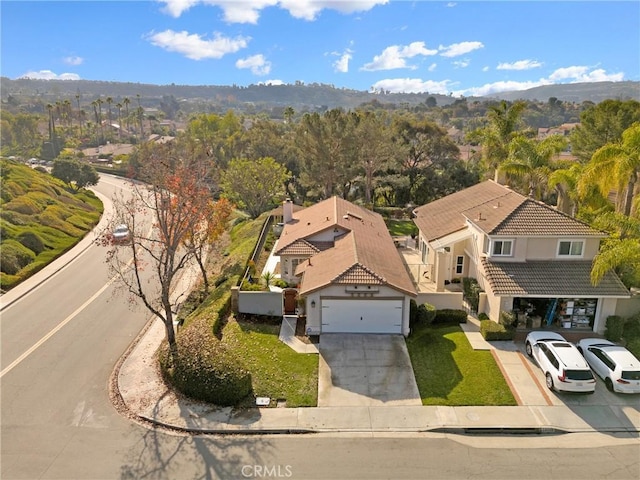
398,228
276,370
449,372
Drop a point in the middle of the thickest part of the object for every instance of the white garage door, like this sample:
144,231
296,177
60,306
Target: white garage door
361,316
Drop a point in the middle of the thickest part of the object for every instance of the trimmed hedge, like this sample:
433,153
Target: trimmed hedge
450,316
426,313
614,328
491,330
483,316
204,368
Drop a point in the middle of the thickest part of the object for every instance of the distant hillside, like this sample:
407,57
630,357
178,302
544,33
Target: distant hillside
302,97
577,92
39,220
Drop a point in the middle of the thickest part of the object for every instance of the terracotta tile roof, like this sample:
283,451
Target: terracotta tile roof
299,247
537,218
444,216
549,278
496,210
365,254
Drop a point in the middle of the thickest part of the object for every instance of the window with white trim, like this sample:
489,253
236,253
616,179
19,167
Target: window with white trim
501,248
459,264
570,248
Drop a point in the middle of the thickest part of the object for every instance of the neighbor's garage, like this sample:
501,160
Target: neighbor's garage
361,316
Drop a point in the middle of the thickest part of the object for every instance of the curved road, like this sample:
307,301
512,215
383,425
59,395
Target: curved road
61,341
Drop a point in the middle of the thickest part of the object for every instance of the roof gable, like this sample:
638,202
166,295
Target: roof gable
496,210
364,254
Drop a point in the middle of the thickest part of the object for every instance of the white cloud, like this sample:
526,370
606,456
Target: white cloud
411,85
342,64
520,65
504,86
395,57
485,69
248,11
272,82
193,46
49,75
256,63
432,67
73,60
579,74
451,4
457,49
461,63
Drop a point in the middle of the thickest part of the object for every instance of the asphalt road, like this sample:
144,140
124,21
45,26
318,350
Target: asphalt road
61,342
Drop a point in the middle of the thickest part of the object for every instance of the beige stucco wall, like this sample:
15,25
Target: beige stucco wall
606,307
441,300
627,307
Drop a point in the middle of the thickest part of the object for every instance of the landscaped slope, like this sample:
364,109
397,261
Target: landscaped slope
40,218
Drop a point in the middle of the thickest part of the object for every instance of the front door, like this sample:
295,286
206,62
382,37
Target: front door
290,302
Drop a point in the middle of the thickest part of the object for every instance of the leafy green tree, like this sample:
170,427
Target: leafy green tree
423,147
74,173
529,161
601,124
255,185
219,136
326,148
373,148
616,167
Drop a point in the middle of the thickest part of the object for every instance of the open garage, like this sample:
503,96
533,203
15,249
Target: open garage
361,315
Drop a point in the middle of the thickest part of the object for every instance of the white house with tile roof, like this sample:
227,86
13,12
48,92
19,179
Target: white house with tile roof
350,274
527,257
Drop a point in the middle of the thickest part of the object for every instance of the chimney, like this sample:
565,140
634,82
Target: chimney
287,211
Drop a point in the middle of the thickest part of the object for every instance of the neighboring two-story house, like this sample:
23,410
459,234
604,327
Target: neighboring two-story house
527,257
350,275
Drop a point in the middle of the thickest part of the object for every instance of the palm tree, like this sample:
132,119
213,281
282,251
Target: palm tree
288,114
530,161
119,107
126,102
52,123
621,251
504,123
616,167
109,101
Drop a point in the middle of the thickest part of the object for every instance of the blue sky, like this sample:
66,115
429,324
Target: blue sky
459,47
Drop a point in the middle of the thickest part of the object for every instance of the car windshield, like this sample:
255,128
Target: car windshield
121,229
579,374
631,375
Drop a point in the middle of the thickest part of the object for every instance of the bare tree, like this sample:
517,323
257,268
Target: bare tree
162,214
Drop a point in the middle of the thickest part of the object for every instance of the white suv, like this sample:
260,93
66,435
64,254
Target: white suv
616,365
565,369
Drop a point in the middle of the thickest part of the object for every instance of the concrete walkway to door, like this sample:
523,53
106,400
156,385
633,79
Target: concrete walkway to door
365,370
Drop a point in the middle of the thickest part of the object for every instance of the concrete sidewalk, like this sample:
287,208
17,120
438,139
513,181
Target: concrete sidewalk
145,395
140,390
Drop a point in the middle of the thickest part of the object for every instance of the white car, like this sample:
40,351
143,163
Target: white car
121,234
565,369
616,365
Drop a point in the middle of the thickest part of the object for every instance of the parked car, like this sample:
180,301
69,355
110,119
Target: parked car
565,369
121,234
616,365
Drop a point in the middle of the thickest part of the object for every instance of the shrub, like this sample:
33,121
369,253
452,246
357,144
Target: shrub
278,282
508,319
426,313
483,316
491,330
14,257
32,241
413,312
614,328
631,328
450,316
471,292
206,369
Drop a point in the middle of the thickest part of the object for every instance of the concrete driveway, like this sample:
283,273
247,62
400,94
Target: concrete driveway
365,370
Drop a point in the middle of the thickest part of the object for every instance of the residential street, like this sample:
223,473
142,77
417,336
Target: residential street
62,339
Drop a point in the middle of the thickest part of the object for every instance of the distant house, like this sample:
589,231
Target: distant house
527,257
350,275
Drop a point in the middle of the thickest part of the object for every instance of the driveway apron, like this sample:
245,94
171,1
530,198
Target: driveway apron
365,370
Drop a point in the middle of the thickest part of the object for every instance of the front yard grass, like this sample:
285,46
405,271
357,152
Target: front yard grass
276,370
449,372
400,228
